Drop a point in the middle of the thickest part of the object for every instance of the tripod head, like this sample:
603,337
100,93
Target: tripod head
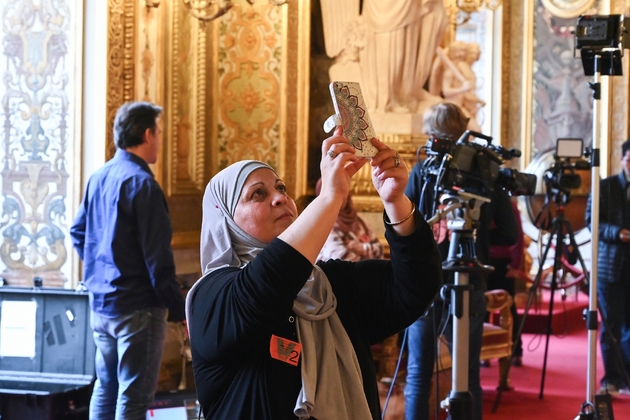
561,178
466,209
462,211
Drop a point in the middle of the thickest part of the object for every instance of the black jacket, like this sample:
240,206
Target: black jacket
614,214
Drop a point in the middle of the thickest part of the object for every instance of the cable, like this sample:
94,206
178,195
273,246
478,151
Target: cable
391,386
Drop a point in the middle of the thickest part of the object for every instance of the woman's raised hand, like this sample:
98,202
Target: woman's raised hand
339,164
310,230
389,173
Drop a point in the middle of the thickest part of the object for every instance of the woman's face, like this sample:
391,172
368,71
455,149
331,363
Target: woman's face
264,210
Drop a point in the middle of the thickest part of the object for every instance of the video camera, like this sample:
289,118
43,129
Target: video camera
561,178
474,167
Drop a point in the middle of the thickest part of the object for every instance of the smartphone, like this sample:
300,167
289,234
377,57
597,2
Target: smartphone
355,119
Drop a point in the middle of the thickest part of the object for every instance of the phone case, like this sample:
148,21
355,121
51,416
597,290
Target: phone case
357,126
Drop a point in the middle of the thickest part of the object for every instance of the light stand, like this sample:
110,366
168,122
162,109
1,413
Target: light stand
591,315
601,39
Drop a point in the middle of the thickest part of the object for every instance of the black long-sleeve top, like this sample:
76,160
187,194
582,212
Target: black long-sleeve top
234,313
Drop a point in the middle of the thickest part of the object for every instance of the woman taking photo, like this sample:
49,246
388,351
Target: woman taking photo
274,336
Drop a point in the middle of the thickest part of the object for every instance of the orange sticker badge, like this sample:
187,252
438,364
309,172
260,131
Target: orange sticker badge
285,350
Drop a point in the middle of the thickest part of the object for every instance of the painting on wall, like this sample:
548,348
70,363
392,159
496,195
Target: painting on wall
562,98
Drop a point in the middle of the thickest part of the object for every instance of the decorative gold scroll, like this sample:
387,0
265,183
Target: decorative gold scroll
120,61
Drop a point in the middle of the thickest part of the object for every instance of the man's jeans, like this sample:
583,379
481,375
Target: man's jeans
614,301
128,356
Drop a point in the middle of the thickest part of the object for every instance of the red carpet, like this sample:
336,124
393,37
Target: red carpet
565,383
565,318
563,393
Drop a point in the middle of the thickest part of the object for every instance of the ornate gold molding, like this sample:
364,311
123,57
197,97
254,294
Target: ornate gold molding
120,62
516,74
187,109
297,20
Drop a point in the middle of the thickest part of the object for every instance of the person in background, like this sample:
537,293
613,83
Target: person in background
507,261
122,232
447,121
613,285
350,239
275,335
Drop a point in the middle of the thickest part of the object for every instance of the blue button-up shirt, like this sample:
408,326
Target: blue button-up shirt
122,232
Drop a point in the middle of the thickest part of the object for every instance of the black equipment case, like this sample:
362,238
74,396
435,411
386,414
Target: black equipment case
53,380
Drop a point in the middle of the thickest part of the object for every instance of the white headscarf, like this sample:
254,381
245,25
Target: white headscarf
332,385
223,242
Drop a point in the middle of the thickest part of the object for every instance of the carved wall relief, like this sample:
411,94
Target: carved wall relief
120,61
40,110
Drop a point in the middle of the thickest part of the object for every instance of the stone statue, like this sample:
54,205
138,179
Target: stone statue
472,103
453,79
388,48
454,84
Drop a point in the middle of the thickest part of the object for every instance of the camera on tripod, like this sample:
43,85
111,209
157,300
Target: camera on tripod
561,177
474,167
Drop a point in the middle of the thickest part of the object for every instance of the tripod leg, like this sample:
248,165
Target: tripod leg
532,293
557,263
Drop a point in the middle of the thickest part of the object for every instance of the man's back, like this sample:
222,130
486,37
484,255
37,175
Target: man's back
122,232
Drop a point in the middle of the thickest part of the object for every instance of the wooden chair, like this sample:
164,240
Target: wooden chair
497,333
496,344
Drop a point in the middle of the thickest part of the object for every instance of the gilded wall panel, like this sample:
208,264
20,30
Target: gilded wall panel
250,80
148,58
233,90
149,63
261,91
41,91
